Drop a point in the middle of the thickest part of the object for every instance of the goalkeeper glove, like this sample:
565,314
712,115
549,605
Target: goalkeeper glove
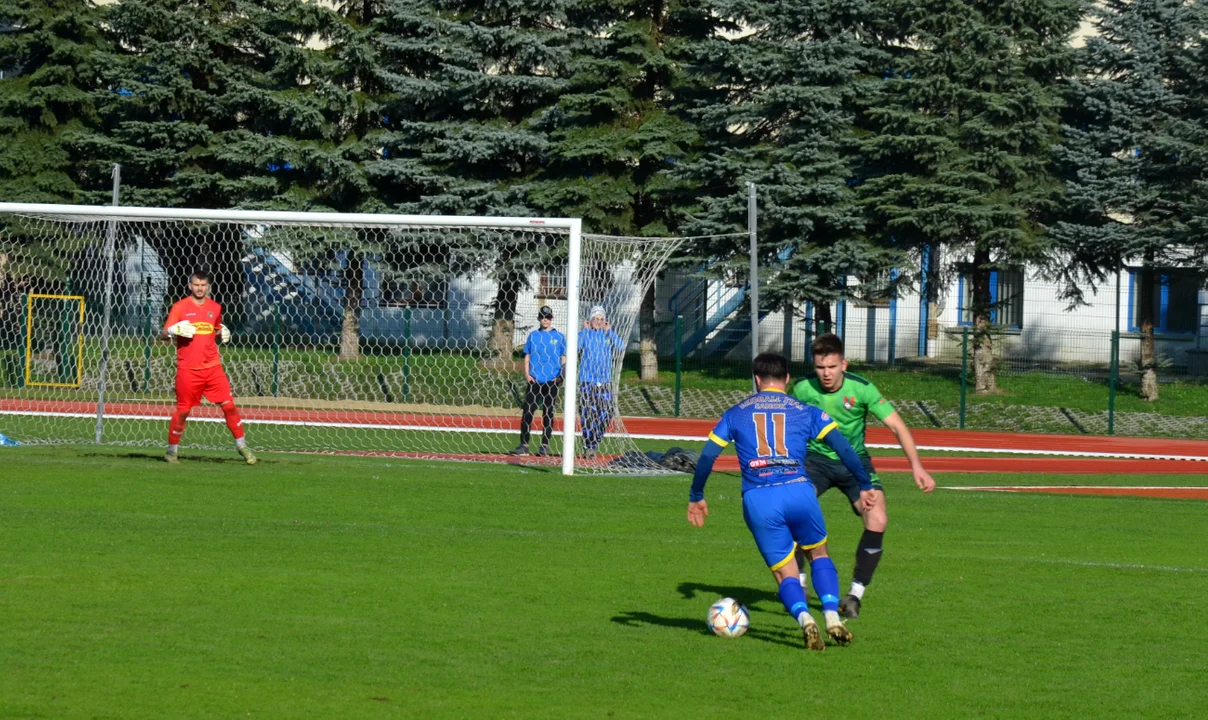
184,329
224,333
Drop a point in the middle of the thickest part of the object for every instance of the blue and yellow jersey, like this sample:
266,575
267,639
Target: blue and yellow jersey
770,431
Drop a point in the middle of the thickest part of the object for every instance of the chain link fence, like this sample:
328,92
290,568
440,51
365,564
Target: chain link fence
1045,368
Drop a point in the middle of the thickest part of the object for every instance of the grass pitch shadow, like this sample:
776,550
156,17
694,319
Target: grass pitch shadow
696,625
745,595
159,458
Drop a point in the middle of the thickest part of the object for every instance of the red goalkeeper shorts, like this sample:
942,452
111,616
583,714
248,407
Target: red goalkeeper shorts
192,385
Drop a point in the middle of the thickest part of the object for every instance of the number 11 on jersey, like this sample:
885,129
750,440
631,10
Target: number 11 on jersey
767,443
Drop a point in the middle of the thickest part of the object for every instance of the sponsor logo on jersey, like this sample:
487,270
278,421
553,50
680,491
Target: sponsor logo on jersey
204,328
825,416
848,402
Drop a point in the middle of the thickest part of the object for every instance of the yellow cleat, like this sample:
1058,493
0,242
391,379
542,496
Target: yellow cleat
171,458
247,454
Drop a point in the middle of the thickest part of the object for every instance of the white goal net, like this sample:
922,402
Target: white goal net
374,334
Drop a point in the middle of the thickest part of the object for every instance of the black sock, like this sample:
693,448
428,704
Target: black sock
868,554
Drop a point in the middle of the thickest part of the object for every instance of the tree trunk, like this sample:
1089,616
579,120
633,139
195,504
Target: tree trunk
503,324
983,341
649,348
350,328
823,320
1149,355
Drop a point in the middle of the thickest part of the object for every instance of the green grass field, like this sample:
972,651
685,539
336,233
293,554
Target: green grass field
360,587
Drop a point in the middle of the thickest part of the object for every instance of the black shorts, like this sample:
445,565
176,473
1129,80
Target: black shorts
826,473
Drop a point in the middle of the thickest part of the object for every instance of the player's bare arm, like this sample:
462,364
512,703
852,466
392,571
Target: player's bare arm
698,509
897,426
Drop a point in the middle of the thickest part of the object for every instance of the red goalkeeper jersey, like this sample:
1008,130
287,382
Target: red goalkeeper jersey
201,350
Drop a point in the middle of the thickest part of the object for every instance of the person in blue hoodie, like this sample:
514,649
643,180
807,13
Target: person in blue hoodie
599,347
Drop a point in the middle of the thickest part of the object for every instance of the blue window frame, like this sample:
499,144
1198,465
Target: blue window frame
1006,298
1174,300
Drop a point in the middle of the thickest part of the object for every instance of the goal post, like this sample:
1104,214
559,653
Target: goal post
356,333
570,404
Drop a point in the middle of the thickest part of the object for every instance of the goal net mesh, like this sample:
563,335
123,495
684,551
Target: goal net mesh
365,337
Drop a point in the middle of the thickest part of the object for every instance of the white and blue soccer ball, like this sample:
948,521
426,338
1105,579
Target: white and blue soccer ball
728,618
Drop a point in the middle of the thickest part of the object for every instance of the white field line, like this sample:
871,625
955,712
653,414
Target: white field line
1025,488
643,436
1078,563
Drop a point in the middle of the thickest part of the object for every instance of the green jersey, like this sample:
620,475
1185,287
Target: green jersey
848,406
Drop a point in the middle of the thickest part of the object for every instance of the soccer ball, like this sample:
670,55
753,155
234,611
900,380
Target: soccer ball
727,618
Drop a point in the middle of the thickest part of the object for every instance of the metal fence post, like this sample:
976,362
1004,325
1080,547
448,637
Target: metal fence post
407,354
964,372
110,252
146,330
276,345
1111,384
679,360
753,231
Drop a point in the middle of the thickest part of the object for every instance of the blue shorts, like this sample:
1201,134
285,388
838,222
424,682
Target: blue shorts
781,518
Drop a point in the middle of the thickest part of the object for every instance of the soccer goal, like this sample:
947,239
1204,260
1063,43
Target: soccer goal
351,333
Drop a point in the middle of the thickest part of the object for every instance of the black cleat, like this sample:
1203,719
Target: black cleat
849,607
521,449
543,451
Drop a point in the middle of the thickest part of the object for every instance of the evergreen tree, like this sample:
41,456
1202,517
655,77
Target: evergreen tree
1134,154
960,134
613,134
774,101
221,103
466,85
47,50
227,103
47,55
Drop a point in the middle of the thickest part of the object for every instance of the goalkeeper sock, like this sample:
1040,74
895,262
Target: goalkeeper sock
233,421
826,582
868,555
793,596
240,443
176,427
173,449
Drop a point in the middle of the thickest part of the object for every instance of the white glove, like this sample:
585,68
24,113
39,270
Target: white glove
184,329
226,334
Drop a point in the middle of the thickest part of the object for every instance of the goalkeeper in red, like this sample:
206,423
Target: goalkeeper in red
195,323
848,398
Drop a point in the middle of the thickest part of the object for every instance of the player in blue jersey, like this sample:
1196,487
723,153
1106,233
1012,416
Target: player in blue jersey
544,359
770,431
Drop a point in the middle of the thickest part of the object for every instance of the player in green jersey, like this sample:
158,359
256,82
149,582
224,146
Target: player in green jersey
848,398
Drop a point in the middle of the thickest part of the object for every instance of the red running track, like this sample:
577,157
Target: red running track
684,429
1039,465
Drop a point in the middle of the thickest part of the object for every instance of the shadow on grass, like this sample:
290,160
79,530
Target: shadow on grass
697,626
159,458
745,595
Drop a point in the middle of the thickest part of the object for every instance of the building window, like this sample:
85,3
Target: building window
877,290
1006,298
552,285
1173,300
